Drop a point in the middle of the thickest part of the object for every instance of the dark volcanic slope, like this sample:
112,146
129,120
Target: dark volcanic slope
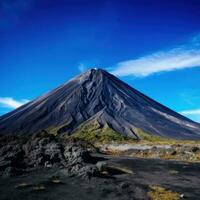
98,95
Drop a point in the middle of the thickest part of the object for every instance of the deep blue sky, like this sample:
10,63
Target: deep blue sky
43,43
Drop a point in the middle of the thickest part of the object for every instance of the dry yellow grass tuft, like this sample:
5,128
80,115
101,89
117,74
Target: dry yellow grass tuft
160,193
197,156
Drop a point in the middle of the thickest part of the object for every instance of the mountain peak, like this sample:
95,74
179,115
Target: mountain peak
97,95
96,70
93,75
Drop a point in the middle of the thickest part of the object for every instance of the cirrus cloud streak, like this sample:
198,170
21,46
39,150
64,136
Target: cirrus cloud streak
9,102
192,114
185,56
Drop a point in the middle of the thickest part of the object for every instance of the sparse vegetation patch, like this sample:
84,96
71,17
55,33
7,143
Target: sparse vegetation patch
160,193
92,133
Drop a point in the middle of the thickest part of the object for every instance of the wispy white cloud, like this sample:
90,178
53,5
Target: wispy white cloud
192,114
82,67
9,102
181,57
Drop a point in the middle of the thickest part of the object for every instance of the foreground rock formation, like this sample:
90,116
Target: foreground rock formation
43,166
21,155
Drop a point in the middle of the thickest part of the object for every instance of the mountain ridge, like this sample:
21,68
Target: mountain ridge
96,94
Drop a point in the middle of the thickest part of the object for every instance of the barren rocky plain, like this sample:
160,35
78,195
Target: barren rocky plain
45,167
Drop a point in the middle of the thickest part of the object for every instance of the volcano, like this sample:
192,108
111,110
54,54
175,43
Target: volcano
98,95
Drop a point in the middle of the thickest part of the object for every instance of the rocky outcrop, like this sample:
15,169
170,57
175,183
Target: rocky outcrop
20,155
98,95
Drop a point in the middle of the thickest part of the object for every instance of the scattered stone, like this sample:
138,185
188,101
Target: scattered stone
102,165
173,153
195,149
47,164
182,195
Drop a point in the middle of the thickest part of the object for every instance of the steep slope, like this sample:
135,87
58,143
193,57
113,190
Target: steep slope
98,95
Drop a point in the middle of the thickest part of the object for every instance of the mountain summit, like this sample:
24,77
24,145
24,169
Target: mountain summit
100,96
